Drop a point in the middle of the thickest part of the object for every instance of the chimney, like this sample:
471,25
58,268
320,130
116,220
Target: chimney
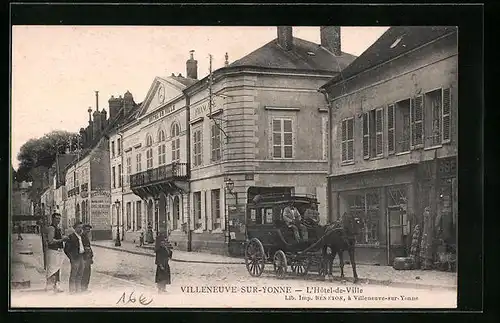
128,103
285,37
330,39
104,117
226,60
83,135
114,107
192,66
96,130
97,101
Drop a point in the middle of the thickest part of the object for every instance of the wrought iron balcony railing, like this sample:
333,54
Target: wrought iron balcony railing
85,187
170,172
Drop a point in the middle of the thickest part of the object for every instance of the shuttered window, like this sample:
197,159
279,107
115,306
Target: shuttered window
348,140
366,135
390,129
379,132
417,124
446,115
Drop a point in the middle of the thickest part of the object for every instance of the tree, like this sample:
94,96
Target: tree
42,151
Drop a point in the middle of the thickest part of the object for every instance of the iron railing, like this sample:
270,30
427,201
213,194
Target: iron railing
174,171
74,191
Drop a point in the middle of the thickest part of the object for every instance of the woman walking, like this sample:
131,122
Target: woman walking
163,251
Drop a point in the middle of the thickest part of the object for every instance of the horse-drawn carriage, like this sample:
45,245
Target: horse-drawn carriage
271,241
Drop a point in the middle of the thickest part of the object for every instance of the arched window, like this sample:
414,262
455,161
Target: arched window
161,148
149,152
176,142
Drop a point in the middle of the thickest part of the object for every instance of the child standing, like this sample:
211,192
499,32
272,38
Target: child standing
163,251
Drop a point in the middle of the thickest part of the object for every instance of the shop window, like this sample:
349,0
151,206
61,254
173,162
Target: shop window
129,215
216,218
138,212
348,140
197,209
366,206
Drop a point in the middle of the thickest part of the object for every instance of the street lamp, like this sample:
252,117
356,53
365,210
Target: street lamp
230,187
117,241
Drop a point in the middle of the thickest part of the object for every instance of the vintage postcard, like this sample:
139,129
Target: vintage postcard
234,167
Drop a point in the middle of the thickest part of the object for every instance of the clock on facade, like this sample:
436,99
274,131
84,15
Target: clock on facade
161,93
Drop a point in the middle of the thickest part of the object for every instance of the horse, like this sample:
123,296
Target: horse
340,236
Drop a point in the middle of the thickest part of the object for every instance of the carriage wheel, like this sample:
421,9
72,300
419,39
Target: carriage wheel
280,264
255,257
301,267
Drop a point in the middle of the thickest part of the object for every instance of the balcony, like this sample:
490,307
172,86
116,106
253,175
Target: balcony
161,179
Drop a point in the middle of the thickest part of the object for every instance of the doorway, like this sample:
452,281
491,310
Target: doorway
395,233
150,214
175,213
162,213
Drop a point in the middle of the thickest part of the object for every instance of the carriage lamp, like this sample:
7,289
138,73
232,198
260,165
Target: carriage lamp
230,187
117,241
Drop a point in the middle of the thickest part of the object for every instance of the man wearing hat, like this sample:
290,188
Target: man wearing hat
87,256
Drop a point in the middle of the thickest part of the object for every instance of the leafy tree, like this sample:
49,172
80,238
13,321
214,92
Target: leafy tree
42,151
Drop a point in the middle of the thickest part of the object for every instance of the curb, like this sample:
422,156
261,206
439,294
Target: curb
364,281
173,259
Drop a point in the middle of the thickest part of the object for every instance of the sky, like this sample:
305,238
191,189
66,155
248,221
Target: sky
56,69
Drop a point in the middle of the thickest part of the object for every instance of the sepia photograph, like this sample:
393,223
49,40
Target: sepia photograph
234,167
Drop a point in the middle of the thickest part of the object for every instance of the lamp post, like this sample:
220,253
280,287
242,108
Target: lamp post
117,241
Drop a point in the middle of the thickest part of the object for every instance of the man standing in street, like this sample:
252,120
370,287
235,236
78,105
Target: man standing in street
75,251
88,257
54,253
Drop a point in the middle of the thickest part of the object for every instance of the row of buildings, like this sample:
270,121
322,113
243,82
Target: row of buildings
371,134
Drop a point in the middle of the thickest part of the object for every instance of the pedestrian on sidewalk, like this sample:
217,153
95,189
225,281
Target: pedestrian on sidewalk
88,257
149,234
54,254
75,251
163,251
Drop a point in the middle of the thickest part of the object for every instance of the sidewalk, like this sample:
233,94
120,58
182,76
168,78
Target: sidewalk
369,274
26,271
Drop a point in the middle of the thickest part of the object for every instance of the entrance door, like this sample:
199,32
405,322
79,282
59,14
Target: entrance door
395,236
175,214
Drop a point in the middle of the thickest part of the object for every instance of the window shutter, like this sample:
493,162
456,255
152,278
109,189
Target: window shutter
350,139
446,115
366,136
344,140
417,125
379,132
390,129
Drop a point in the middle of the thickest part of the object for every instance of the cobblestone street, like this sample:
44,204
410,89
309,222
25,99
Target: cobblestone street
115,273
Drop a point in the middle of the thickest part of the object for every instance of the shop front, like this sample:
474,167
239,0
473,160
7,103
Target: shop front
384,202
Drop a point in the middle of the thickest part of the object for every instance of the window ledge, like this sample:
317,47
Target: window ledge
282,159
376,158
403,153
217,231
433,147
347,163
198,231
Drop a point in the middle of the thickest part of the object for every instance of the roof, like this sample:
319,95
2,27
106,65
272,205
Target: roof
394,42
304,55
186,81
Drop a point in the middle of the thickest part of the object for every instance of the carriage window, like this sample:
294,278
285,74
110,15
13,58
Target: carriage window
269,216
253,215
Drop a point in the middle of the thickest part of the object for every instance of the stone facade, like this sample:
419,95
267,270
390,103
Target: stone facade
392,137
